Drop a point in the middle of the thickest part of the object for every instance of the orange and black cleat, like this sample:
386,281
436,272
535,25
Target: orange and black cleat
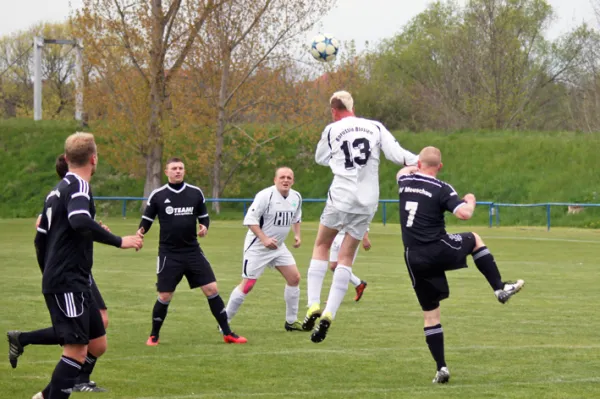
152,340
359,290
233,338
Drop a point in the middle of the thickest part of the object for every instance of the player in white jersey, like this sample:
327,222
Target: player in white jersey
275,211
359,285
351,147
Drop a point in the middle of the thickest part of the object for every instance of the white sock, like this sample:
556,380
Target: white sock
235,301
314,282
354,280
339,286
292,299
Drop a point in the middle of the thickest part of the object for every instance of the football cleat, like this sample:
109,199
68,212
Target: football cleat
320,332
442,376
295,326
509,290
233,338
15,349
359,290
313,313
88,387
153,340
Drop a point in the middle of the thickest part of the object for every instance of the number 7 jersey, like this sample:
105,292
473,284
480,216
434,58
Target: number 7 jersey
352,148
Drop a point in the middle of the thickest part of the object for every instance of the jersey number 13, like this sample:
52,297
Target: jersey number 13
364,148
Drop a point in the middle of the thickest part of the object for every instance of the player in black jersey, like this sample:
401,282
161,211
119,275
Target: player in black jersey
19,339
429,251
70,231
180,207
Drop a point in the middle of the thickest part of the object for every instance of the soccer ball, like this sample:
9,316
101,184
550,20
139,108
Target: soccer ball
324,47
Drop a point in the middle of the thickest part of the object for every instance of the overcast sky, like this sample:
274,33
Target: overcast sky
361,20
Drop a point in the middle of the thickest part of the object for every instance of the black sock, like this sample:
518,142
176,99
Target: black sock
64,377
45,336
484,260
87,369
217,307
434,336
159,314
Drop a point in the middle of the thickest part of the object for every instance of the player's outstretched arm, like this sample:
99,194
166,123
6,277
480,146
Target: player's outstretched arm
393,151
83,223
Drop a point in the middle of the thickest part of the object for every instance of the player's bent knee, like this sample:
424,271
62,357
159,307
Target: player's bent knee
210,289
247,285
77,352
478,241
293,280
165,297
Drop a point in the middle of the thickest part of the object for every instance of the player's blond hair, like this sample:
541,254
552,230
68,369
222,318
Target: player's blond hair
430,156
79,148
343,98
283,167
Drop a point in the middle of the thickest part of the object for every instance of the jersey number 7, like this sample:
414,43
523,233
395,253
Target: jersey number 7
364,148
411,207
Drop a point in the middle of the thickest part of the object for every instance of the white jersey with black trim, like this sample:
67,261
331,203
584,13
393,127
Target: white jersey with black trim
275,215
352,148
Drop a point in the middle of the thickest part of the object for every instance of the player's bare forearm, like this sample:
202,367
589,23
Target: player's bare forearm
297,237
465,212
407,170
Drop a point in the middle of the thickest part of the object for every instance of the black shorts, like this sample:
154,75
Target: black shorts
427,266
172,266
75,317
96,296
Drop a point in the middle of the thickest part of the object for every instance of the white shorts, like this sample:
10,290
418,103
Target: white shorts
354,224
255,262
335,249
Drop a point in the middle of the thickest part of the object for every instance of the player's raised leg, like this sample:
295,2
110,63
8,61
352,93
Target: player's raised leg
291,295
484,260
316,274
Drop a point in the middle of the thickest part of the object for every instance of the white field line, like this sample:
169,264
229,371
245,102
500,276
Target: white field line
349,352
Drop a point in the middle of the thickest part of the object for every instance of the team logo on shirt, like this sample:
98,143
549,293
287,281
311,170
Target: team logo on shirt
283,218
180,211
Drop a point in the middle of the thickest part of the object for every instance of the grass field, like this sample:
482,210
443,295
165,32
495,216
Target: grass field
542,344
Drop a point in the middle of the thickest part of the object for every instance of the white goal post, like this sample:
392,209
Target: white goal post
38,44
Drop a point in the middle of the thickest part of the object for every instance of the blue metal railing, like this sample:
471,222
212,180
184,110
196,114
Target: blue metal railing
493,207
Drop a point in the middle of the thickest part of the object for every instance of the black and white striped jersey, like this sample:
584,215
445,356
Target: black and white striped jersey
179,208
423,202
68,256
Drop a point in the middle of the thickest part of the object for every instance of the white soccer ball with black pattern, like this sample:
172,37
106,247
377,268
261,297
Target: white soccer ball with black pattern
324,47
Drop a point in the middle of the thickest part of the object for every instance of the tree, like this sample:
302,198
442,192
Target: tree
240,69
135,49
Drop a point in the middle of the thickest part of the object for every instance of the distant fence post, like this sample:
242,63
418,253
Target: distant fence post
384,212
244,208
491,214
548,217
497,214
124,209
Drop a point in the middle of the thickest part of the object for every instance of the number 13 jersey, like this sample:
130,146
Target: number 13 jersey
352,147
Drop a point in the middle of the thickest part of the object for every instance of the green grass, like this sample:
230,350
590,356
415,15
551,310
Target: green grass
542,344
